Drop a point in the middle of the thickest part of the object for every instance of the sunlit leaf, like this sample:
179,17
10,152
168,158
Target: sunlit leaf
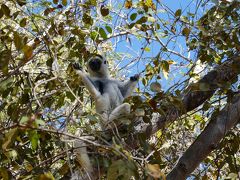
34,137
102,33
151,19
147,49
165,68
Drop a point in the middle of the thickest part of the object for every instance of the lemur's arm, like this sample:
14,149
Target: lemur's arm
128,87
86,80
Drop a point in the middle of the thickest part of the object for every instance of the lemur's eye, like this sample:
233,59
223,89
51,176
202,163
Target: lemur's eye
105,62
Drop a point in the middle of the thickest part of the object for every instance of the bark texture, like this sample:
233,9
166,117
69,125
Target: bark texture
208,140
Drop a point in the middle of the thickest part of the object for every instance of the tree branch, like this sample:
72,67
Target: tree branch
194,96
208,140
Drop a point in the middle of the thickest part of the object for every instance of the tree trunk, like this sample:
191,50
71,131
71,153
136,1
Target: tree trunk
208,140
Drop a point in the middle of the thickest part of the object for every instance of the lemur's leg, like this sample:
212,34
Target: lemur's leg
86,80
121,110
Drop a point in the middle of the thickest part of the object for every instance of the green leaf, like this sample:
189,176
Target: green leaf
109,29
24,120
34,137
104,10
102,33
40,122
178,13
5,10
133,16
94,35
64,2
18,42
123,169
1,13
23,22
5,56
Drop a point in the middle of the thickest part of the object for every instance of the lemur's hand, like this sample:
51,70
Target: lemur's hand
77,66
135,77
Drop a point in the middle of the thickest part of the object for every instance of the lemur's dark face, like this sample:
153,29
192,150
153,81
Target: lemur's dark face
95,63
98,66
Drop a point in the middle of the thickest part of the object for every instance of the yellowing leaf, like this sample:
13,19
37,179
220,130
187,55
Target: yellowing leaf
55,1
165,68
147,49
64,2
154,171
28,166
28,51
9,138
128,4
186,32
46,176
149,3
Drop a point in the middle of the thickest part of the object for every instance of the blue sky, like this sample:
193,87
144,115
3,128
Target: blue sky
187,6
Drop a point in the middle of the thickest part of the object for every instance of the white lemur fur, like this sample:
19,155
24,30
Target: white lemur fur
108,93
